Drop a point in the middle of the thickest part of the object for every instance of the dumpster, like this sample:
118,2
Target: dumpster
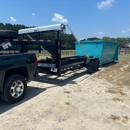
106,51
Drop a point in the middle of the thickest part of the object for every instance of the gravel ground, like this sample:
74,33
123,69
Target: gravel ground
75,101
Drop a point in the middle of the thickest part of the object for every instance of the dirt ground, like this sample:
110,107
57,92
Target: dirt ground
75,101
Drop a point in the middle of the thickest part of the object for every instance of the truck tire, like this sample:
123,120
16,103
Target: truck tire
90,67
8,34
15,88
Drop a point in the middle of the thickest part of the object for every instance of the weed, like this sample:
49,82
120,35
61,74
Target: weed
114,118
117,99
67,91
111,91
126,118
67,103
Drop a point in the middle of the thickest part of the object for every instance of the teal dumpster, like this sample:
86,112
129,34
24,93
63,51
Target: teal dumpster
106,51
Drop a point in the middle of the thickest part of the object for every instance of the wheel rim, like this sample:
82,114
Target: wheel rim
17,89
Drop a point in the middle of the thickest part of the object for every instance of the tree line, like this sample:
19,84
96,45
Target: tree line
66,39
120,40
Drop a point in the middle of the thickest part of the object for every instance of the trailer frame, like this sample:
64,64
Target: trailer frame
56,64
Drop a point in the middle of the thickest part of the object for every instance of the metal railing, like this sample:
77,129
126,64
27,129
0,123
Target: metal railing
65,52
124,51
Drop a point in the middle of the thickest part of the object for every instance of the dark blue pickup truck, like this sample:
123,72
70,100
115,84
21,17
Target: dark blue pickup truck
15,70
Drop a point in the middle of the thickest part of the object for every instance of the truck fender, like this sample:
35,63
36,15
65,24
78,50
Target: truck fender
11,69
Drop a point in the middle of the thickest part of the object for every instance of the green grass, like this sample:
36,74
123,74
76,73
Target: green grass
124,57
120,57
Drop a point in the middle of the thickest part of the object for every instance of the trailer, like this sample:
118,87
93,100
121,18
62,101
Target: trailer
56,64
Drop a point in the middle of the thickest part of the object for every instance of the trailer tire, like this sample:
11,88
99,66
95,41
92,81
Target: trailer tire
8,34
15,88
90,67
96,65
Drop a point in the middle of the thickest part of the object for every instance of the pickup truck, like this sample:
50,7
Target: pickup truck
15,70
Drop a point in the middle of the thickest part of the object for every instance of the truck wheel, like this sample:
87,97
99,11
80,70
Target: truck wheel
96,65
15,88
8,34
90,67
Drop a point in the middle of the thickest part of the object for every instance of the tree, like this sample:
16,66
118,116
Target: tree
67,40
93,38
106,38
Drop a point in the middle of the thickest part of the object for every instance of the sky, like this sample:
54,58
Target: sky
87,18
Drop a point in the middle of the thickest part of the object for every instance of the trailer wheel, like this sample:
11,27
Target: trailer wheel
90,67
8,34
14,89
96,65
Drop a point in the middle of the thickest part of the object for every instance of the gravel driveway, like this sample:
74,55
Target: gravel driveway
75,101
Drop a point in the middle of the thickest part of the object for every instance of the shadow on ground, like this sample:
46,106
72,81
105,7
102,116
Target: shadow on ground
109,64
31,93
66,78
50,79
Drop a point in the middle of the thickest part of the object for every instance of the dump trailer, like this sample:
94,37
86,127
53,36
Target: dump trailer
56,64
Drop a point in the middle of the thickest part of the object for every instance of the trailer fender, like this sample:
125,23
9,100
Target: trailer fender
91,59
87,61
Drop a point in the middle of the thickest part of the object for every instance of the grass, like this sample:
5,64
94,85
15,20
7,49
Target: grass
67,103
121,56
125,120
116,90
117,99
67,91
117,73
116,76
114,118
117,118
124,57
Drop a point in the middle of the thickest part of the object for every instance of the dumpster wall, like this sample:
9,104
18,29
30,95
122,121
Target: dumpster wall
106,51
